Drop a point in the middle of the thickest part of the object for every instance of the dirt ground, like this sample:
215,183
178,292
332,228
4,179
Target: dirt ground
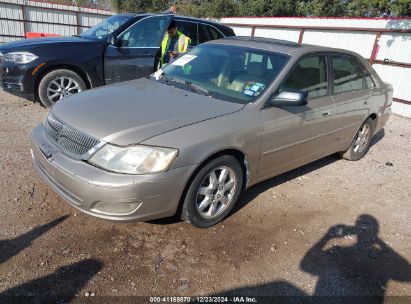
281,240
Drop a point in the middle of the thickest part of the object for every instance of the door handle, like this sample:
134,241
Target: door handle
365,102
326,113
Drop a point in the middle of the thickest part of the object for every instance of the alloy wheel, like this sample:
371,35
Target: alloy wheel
216,192
363,136
62,87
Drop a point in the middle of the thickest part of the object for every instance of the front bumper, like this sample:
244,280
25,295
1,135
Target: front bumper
17,79
86,187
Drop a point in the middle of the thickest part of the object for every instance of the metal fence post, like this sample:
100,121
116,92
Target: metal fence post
23,16
300,38
77,22
375,48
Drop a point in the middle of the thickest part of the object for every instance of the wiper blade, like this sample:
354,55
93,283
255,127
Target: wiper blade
188,83
165,77
197,88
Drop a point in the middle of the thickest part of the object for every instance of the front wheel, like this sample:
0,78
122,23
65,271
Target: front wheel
59,84
361,142
213,192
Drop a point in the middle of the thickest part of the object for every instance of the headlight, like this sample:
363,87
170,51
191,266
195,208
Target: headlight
133,160
19,57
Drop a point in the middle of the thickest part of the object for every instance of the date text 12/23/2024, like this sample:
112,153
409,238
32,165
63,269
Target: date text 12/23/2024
239,299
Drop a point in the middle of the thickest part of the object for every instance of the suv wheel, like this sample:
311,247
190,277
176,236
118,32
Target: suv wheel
59,84
213,192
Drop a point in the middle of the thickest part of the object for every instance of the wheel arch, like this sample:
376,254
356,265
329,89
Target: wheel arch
237,153
374,117
76,69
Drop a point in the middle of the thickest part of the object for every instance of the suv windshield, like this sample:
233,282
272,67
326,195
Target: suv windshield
231,73
105,28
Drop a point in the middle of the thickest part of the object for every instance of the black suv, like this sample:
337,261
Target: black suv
123,47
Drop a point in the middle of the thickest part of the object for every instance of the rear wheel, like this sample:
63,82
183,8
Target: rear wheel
59,84
213,192
361,142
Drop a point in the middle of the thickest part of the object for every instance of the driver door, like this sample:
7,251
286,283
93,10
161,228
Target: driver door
295,135
136,51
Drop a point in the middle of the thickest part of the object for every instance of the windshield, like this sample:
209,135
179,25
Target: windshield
231,73
105,28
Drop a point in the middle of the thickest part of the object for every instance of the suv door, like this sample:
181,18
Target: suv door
295,135
137,50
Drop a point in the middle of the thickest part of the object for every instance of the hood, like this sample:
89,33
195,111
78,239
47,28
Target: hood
133,111
28,44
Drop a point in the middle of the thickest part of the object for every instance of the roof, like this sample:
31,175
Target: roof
276,45
198,20
132,15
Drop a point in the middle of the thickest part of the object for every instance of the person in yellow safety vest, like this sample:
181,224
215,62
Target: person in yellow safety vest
174,44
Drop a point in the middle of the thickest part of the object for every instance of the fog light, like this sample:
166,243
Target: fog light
116,208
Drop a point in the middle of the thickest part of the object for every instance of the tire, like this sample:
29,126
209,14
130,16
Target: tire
60,84
361,143
202,210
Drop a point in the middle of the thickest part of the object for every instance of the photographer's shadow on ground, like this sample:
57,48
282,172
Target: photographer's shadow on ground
362,269
358,273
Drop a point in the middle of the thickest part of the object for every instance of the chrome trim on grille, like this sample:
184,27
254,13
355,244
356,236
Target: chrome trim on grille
72,141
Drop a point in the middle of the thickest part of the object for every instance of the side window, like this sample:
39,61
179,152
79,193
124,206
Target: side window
309,75
214,33
144,33
368,82
256,58
207,33
202,35
189,29
350,74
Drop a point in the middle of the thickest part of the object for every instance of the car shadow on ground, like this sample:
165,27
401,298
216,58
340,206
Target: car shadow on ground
62,286
59,287
250,194
10,248
355,273
377,137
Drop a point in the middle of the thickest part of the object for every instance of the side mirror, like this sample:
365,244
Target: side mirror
290,99
114,41
121,42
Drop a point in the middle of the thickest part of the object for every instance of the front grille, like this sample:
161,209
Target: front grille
70,140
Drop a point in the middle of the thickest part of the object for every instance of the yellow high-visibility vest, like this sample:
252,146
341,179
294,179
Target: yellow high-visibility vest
183,43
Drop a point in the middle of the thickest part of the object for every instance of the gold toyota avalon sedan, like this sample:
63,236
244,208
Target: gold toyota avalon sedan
188,139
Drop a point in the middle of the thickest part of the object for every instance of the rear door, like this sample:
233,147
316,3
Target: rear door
296,135
138,50
352,88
